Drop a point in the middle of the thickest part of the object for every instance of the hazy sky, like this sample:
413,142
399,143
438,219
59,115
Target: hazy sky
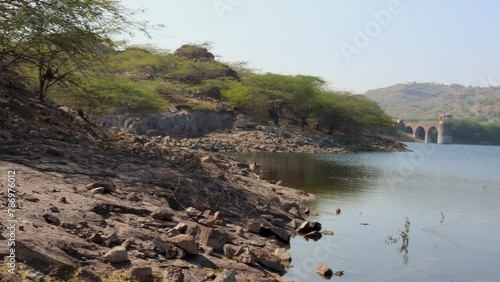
354,45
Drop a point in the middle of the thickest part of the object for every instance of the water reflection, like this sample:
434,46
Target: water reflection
450,193
315,173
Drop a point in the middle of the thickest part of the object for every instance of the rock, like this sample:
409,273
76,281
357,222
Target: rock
109,186
173,274
229,251
278,222
54,152
244,255
294,211
226,276
194,274
253,226
127,243
280,233
214,238
193,213
338,211
172,232
327,232
162,214
143,274
68,225
282,254
34,275
161,245
293,224
239,231
339,273
34,133
132,197
96,238
181,227
324,270
264,258
315,235
98,190
51,219
54,209
219,220
185,242
116,255
207,159
308,226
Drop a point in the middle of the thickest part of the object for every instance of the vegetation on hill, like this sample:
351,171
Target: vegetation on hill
65,52
426,101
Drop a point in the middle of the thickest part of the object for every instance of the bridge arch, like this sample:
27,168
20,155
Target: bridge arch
441,132
409,130
431,136
419,133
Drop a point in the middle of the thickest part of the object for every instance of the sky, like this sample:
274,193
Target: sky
354,45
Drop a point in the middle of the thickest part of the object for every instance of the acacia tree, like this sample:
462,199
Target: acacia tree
54,38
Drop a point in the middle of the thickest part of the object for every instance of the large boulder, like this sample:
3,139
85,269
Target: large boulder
185,242
116,255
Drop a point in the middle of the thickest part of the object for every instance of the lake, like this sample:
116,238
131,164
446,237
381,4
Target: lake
449,193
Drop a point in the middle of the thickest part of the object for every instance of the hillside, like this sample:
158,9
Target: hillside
424,101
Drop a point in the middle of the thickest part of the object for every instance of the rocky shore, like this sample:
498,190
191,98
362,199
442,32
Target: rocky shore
94,204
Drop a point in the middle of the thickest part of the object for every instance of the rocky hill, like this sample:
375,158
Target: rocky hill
424,101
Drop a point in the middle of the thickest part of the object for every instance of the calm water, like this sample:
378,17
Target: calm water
450,193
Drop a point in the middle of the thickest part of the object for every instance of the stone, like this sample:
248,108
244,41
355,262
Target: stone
339,273
34,275
96,238
161,245
294,211
51,219
253,226
98,190
162,214
214,238
327,232
185,242
338,211
193,213
226,276
314,235
173,274
181,227
116,255
244,255
308,226
172,232
324,270
132,197
282,254
239,231
54,209
54,152
293,224
264,258
229,251
278,222
34,133
109,186
142,274
68,225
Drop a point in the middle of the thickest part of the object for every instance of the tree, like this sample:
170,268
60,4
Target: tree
51,39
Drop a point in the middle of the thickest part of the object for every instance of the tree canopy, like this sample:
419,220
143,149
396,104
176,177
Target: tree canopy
51,39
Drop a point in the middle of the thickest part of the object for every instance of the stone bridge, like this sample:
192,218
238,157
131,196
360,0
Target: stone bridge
441,133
